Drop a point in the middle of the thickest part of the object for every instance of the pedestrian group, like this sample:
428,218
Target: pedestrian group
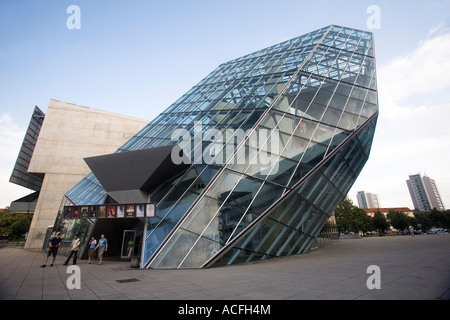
95,247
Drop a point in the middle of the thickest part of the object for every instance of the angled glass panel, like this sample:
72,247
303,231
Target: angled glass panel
265,197
174,205
313,111
202,250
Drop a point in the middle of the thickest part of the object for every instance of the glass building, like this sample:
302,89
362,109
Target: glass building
268,145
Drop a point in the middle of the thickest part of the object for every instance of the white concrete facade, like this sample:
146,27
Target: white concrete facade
367,200
69,134
424,193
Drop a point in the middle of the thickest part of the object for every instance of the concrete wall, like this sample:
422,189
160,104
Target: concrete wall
69,134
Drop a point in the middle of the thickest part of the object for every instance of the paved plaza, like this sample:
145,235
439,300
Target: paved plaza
411,268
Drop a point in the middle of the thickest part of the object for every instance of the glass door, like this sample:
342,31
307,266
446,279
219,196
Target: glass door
128,244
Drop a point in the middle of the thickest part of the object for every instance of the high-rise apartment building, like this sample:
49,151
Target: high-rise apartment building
367,200
424,193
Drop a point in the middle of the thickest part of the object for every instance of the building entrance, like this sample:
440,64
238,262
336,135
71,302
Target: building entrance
128,244
118,231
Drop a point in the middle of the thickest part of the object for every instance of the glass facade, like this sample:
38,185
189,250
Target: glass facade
276,139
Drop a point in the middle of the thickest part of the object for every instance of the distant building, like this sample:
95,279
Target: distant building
385,211
424,193
367,200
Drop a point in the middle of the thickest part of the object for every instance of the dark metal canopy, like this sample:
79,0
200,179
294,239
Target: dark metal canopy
128,177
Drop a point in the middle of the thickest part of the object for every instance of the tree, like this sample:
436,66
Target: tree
380,222
14,225
21,226
440,219
446,219
413,222
433,218
399,220
423,219
351,218
361,221
343,214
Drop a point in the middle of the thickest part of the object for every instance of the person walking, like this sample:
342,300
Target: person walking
53,246
102,247
91,253
73,250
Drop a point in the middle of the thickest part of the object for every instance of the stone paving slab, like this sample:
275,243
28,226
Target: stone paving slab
412,268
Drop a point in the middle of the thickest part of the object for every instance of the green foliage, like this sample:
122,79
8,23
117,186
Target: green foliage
399,220
351,218
433,218
14,225
380,222
342,215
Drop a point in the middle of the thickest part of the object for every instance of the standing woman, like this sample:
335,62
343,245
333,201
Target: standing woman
91,253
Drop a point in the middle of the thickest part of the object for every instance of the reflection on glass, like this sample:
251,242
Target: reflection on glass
277,138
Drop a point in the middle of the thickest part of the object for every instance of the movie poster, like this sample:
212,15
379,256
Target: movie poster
84,212
93,211
140,211
67,212
130,210
150,210
76,213
101,212
111,211
120,211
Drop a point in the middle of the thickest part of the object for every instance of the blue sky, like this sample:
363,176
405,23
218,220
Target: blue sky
137,57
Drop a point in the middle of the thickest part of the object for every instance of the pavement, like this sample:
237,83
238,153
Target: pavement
410,268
